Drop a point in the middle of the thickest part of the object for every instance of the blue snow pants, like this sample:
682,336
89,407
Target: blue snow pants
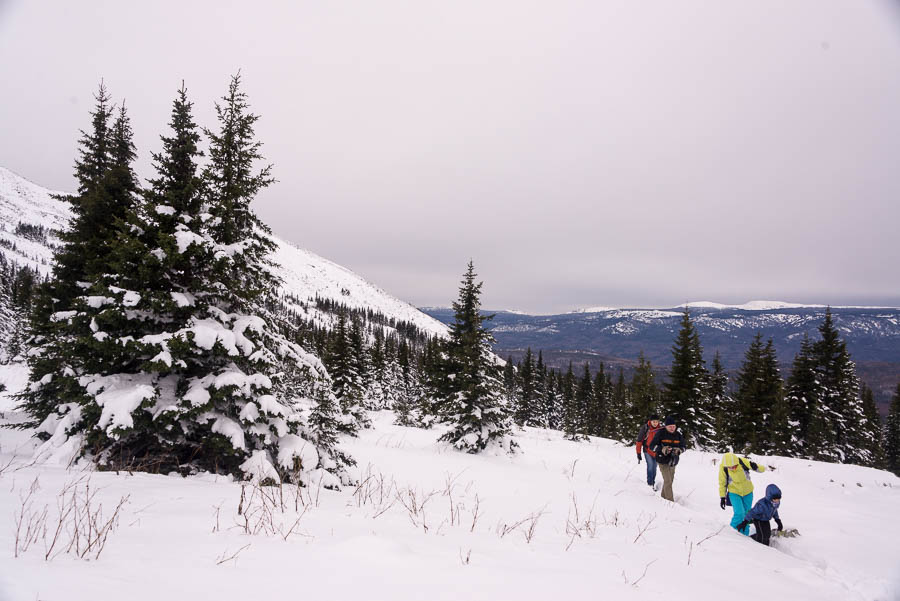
650,460
741,506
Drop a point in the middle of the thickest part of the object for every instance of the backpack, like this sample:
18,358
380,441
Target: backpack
728,478
649,438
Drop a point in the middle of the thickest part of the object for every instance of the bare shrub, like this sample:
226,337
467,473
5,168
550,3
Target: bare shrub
645,528
225,557
266,510
78,527
580,524
475,513
376,492
635,582
526,525
703,540
414,501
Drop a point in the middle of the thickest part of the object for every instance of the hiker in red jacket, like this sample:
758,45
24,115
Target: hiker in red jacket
642,443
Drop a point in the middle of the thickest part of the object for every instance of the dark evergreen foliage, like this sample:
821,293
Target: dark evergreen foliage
686,392
892,435
873,433
474,408
644,393
526,404
158,345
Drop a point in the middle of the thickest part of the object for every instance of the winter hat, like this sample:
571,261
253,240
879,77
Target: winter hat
654,416
729,459
670,420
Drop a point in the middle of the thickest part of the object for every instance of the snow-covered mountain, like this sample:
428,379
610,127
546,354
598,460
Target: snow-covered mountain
25,206
25,210
766,305
618,336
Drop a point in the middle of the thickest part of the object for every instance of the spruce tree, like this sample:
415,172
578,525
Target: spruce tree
841,406
779,435
345,380
618,422
512,394
570,408
776,436
527,399
436,387
323,424
383,385
362,366
803,392
686,392
872,430
56,333
475,411
892,435
721,404
552,405
247,371
539,409
749,418
598,410
584,401
89,232
188,367
644,394
404,403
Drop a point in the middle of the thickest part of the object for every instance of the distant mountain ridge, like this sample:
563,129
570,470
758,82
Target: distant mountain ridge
620,335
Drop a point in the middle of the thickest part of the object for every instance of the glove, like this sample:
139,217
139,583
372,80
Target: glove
722,502
780,525
639,458
753,466
743,525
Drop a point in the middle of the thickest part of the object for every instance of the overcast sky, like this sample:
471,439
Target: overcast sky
601,152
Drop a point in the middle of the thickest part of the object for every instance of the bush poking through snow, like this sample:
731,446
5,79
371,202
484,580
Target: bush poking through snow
77,527
273,510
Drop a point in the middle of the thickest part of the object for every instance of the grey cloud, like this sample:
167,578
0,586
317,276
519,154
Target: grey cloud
583,153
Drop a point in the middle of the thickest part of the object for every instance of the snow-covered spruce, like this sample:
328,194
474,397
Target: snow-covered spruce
172,359
348,369
473,405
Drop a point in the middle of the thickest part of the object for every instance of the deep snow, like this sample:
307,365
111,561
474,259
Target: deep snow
175,534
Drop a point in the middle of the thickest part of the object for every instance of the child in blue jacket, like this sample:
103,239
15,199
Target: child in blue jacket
764,510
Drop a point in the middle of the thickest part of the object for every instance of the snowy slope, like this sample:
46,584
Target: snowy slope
431,523
22,201
305,274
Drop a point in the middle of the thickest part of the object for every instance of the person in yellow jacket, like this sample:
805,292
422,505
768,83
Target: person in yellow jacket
736,488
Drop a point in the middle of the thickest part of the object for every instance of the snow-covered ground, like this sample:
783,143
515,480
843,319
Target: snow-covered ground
561,520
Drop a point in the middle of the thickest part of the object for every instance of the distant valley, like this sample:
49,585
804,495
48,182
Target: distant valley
617,336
